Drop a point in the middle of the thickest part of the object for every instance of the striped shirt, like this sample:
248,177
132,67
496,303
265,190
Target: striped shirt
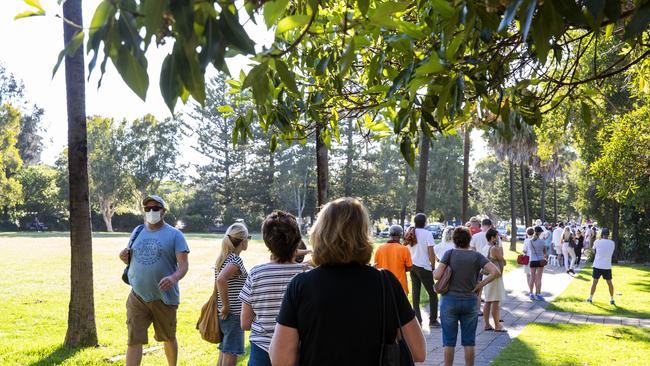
264,291
235,283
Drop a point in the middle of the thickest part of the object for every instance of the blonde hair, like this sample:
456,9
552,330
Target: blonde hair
447,235
566,235
341,233
234,236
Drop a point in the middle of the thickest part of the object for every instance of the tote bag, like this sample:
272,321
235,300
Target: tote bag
208,324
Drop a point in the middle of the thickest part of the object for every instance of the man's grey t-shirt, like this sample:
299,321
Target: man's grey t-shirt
153,256
465,266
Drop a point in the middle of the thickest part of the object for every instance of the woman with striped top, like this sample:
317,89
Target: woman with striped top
266,284
231,275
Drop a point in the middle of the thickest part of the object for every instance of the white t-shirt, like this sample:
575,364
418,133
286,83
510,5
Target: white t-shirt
604,250
557,236
420,251
478,242
442,248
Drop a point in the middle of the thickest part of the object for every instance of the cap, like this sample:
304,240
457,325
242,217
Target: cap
156,198
395,230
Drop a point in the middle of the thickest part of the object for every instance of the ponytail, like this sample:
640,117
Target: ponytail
234,236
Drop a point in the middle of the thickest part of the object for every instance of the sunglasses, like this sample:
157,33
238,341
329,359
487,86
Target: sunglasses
152,208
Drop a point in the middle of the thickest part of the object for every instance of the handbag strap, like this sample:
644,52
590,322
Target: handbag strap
138,230
394,302
383,314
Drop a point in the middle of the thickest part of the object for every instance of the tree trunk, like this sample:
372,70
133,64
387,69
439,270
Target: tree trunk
616,213
107,215
82,330
555,199
542,213
322,171
513,213
423,168
348,167
524,195
466,149
404,196
269,181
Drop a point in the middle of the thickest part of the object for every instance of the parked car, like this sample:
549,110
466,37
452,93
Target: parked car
503,233
521,232
220,229
384,233
435,229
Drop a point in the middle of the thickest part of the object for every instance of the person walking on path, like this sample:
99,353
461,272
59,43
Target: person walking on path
529,237
395,257
230,276
158,259
478,243
604,250
580,240
266,284
422,270
557,241
568,250
538,256
494,292
587,234
331,315
458,305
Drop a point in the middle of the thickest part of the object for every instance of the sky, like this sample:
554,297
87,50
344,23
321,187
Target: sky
29,48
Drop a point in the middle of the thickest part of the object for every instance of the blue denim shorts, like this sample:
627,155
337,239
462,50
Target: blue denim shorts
258,357
233,336
455,309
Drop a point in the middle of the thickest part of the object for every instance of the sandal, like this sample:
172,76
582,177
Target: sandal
501,330
488,328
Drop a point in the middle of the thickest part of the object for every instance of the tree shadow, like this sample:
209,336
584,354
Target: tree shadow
605,309
57,356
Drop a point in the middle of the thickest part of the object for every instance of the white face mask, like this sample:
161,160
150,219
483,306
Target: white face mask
152,217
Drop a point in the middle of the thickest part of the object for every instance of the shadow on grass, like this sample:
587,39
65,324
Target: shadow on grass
57,356
607,310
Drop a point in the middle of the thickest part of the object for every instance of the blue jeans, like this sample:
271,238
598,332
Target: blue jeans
258,357
233,336
455,309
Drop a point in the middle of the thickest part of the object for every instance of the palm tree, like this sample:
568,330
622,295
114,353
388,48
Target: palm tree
467,144
81,311
514,141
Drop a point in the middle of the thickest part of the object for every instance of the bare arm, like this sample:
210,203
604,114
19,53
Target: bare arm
437,274
284,346
247,316
493,275
415,340
497,253
228,272
183,265
432,256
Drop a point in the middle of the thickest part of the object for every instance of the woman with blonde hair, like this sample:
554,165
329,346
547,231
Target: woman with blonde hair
568,250
230,276
446,243
333,314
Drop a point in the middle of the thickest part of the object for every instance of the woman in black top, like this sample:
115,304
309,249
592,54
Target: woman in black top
580,244
335,312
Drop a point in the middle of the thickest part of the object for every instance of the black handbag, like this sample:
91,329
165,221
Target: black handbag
394,353
125,274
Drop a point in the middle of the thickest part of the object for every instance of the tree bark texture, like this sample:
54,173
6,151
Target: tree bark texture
82,330
524,195
404,197
466,148
513,213
423,168
322,169
616,214
542,213
349,161
555,199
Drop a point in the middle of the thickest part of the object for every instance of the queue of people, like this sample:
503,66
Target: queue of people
336,308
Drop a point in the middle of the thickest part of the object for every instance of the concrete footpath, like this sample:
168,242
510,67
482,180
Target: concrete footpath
517,312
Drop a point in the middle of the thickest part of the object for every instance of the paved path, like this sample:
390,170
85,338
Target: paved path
517,312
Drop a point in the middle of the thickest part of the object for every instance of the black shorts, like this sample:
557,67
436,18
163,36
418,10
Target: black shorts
535,264
606,273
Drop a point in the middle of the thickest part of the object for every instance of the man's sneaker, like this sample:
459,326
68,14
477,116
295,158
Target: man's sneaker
572,271
612,302
532,296
589,300
434,324
539,297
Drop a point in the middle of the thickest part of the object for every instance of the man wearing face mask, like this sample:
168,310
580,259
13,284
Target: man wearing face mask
158,261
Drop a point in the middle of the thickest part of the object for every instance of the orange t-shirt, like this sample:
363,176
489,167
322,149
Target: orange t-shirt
396,258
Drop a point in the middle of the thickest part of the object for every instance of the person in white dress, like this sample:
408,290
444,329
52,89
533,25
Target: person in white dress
568,252
494,292
529,234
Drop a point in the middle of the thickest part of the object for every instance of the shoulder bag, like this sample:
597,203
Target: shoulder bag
394,353
542,262
442,285
208,323
125,274
410,238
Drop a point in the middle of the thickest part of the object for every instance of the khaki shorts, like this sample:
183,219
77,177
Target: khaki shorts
140,315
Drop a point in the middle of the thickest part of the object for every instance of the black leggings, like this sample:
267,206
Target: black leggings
419,277
578,250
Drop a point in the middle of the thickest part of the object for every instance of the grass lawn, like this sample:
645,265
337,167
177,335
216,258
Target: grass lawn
631,293
36,288
573,344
